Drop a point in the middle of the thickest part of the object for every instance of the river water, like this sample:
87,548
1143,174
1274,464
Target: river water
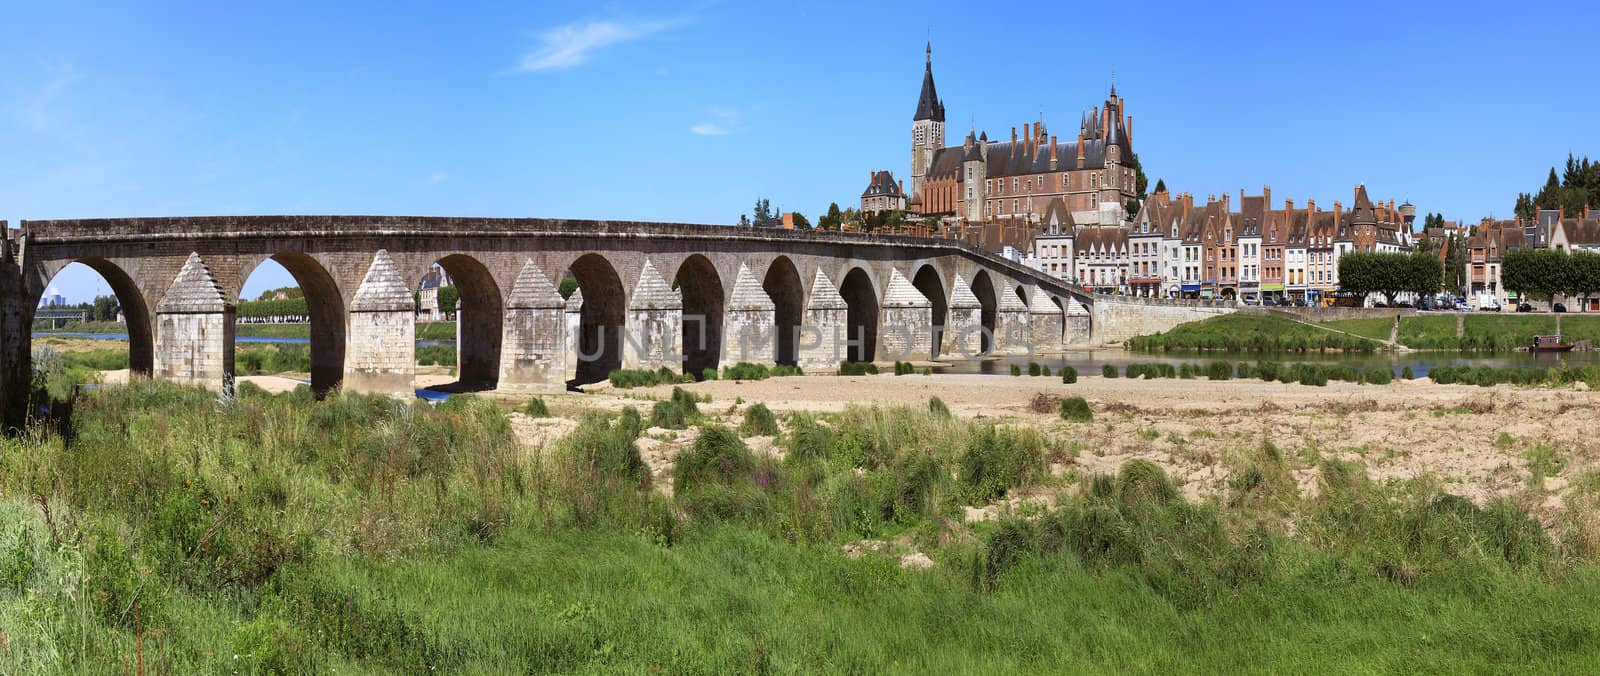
1090,361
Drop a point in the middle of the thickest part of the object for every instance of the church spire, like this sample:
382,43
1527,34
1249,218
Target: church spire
929,107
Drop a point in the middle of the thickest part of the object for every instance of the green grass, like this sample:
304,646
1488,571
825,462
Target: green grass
1580,327
1428,332
1376,328
277,534
1250,333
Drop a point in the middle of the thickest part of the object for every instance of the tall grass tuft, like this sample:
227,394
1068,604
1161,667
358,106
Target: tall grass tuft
758,422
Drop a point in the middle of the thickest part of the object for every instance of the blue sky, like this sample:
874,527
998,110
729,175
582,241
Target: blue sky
689,112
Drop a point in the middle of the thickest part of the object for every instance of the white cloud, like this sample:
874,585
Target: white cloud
571,45
438,177
723,121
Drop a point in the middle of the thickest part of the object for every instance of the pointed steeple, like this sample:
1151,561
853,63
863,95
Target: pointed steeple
929,107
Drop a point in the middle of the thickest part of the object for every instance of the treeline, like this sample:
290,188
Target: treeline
1543,273
1390,273
296,306
1578,188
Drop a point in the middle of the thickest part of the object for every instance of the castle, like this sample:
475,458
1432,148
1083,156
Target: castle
1016,182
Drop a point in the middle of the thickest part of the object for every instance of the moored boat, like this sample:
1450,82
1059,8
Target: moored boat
1551,343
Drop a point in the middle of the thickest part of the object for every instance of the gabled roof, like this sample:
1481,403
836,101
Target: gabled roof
1363,211
1057,213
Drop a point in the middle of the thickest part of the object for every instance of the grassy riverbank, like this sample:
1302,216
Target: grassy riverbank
1251,333
276,533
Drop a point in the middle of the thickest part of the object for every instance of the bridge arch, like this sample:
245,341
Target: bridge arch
601,319
704,300
931,285
325,303
983,287
135,309
787,291
861,297
480,315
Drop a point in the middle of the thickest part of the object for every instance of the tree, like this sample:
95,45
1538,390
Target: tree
1141,183
800,221
1161,185
761,216
831,220
105,308
569,284
1424,274
1365,273
1536,273
1524,209
447,299
744,221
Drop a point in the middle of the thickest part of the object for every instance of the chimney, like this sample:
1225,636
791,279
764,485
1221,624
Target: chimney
1013,136
1128,130
1105,124
902,188
1080,149
1052,152
1266,195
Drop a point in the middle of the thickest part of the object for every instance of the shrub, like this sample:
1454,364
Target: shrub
716,458
1069,375
1016,370
785,370
1379,376
1033,368
746,371
1268,371
857,368
1312,374
708,373
1076,410
1044,370
997,460
936,406
902,368
630,378
675,413
758,422
607,449
1219,370
1108,371
535,408
1407,374
808,440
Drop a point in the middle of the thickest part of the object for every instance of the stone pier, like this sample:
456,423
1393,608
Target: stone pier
381,343
654,325
905,324
534,348
750,329
963,333
194,330
1044,320
824,327
1011,324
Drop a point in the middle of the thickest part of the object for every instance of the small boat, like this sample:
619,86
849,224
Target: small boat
1550,344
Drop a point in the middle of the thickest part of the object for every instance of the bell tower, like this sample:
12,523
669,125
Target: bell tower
927,126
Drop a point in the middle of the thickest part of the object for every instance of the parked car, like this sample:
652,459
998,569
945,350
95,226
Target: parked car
1461,306
1524,307
1490,306
1299,302
1558,307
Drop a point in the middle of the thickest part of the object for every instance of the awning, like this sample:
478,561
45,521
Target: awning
1271,287
1191,287
1511,294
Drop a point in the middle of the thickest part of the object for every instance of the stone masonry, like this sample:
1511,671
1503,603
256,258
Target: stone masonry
178,280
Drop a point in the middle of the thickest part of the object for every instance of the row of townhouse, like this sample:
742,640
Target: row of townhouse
1549,229
1174,248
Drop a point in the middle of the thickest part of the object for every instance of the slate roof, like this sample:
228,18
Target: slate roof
882,183
1013,159
929,107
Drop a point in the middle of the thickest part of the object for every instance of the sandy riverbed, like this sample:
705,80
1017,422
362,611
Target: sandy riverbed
1483,443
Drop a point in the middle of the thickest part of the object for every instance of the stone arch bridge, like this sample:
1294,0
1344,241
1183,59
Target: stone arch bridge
686,297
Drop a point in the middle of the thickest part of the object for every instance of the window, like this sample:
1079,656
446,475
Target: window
1014,184
1094,180
1094,201
1064,182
